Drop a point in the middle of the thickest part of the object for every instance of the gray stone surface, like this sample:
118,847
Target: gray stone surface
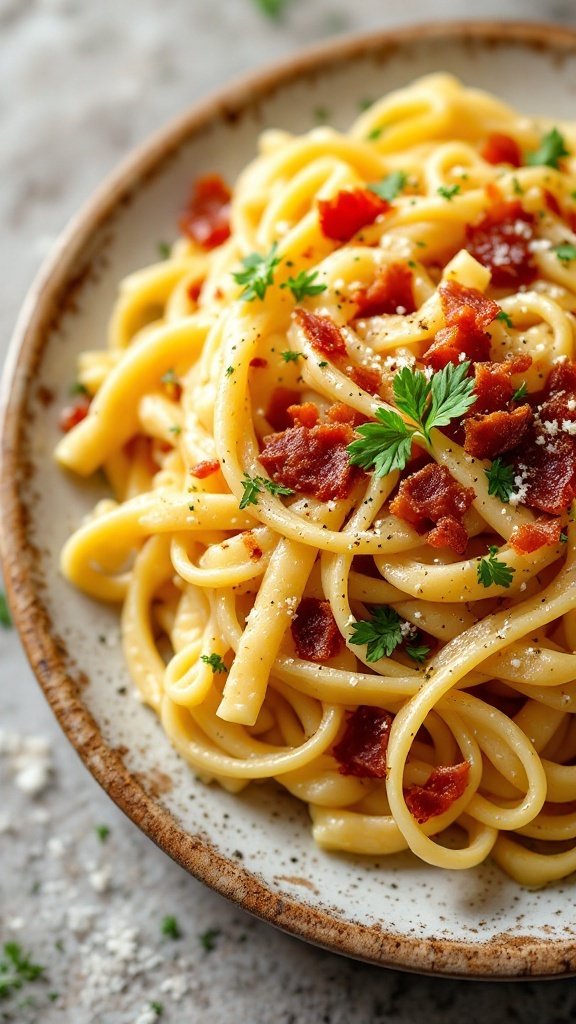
80,84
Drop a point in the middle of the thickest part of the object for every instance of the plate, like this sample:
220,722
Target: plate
254,848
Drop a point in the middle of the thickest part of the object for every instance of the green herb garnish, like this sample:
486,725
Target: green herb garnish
170,928
390,186
419,652
505,318
291,357
16,969
273,9
491,570
386,445
550,151
5,617
208,939
163,250
520,393
500,480
215,662
253,487
448,191
258,274
102,831
303,284
566,252
382,633
374,134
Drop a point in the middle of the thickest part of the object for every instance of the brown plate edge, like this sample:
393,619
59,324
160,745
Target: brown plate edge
502,957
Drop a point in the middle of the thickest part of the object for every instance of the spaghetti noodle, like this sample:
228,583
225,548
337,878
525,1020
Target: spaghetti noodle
339,422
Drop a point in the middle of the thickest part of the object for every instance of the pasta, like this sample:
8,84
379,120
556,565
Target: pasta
339,424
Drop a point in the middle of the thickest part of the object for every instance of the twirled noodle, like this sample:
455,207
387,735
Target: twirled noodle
216,558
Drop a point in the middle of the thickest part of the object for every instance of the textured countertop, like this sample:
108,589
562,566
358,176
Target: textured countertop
80,84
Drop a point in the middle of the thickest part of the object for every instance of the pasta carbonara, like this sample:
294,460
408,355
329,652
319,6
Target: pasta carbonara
339,424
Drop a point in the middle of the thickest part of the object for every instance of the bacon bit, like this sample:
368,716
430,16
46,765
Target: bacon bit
467,313
391,289
552,203
443,787
206,217
562,377
348,212
258,363
315,633
74,413
312,460
193,291
494,433
206,468
550,474
451,343
255,552
501,149
448,533
460,303
528,538
322,332
362,749
493,387
432,500
280,401
501,242
368,380
305,415
340,413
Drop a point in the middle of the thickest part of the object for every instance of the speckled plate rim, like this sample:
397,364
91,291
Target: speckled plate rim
502,957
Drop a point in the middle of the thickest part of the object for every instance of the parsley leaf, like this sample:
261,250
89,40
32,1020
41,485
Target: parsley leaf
157,1007
383,446
253,486
520,393
258,274
163,250
505,318
303,284
208,939
171,928
382,633
386,445
16,969
374,134
291,357
390,186
5,617
215,662
551,149
566,252
419,652
500,480
273,9
77,389
490,570
451,391
102,831
448,191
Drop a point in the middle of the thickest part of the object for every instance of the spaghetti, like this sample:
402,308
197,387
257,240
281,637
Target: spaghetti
339,422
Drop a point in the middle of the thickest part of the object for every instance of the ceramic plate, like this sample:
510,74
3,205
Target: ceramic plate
256,848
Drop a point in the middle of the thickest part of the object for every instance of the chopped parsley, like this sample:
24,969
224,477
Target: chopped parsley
170,928
365,104
374,134
321,115
253,487
175,429
564,538
386,445
215,662
505,318
566,252
163,250
303,284
390,186
491,570
102,831
419,652
500,480
550,151
383,633
323,364
5,617
520,393
169,377
448,191
229,370
273,9
157,1008
291,357
258,274
517,187
78,389
16,969
208,939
